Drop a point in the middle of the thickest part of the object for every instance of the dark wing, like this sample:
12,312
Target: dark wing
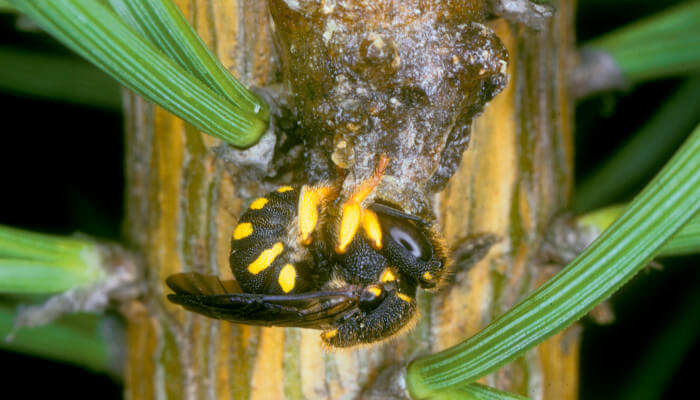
384,209
207,295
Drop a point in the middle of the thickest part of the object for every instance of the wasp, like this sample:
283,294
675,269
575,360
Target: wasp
351,270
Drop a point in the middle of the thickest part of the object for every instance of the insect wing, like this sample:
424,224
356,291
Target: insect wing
384,209
202,294
196,283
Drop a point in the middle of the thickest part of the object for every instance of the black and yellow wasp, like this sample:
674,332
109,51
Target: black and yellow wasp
349,269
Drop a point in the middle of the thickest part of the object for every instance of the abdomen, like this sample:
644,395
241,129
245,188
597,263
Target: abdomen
265,254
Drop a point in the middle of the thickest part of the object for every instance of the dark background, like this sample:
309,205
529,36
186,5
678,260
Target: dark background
61,167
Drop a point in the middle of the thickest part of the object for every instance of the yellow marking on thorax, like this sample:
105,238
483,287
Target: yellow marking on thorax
283,189
387,276
427,276
266,258
371,226
403,297
258,204
348,226
287,278
243,230
376,291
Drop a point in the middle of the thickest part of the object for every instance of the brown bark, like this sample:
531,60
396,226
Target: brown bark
515,176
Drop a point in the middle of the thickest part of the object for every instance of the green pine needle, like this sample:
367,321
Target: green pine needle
475,391
76,340
163,24
95,32
662,209
663,45
42,264
653,143
684,242
5,6
60,78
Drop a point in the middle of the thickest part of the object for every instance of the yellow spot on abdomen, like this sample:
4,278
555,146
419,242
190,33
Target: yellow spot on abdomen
387,276
403,297
287,277
266,258
243,230
283,189
258,203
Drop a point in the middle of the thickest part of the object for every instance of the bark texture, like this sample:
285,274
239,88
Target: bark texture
182,206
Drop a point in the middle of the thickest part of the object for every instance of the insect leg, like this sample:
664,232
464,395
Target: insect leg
351,213
310,199
389,317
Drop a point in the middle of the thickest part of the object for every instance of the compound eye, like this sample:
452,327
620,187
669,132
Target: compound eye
408,236
406,241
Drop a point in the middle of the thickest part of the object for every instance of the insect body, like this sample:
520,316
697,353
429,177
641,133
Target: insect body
351,271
